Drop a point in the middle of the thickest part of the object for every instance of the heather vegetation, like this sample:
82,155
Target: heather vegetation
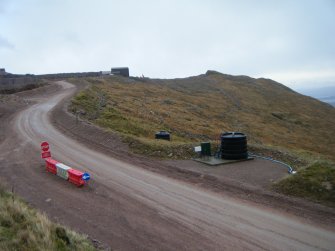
200,108
279,122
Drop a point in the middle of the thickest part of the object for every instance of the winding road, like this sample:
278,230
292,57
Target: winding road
178,213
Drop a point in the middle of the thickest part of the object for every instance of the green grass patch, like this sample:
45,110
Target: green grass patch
23,228
112,119
162,149
316,182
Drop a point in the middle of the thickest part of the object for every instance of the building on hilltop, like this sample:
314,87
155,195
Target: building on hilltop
3,71
122,71
105,73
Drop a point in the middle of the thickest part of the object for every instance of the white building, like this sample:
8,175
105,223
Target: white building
105,72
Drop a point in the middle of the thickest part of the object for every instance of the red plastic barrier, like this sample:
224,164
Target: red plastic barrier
45,150
75,177
45,155
51,165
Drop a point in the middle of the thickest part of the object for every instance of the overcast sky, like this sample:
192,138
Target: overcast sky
291,41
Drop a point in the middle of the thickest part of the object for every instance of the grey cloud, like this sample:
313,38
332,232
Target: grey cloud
5,44
172,38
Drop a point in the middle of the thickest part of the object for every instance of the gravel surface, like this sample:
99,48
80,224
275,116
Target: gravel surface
133,203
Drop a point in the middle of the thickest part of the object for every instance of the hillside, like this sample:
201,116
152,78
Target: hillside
199,108
24,228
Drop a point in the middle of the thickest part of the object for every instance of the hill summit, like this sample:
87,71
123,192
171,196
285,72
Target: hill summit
201,107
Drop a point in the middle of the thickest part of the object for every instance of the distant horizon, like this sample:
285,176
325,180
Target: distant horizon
291,42
298,88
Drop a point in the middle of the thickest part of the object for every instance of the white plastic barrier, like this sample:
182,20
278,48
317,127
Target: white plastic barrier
62,170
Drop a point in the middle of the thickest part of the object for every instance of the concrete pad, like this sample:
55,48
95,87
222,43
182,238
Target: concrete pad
210,160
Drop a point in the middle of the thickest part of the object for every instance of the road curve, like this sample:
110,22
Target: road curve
229,224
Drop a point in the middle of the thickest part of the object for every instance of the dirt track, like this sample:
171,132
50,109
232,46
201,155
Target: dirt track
131,208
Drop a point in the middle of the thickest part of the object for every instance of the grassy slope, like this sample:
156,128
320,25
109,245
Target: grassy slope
277,120
316,182
200,108
23,228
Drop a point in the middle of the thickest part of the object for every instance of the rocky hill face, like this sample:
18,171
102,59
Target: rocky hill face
200,108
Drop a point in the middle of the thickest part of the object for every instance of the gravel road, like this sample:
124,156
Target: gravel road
151,211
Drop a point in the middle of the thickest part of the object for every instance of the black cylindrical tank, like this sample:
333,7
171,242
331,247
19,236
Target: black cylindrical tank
234,146
162,135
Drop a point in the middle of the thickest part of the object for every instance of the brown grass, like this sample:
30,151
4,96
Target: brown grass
279,122
200,108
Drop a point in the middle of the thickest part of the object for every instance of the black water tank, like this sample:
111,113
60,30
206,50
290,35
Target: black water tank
162,135
234,146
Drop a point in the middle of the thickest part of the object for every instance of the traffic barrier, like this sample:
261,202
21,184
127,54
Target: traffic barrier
86,177
45,150
62,170
76,177
50,165
53,166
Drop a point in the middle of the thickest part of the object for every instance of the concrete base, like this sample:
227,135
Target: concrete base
210,160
